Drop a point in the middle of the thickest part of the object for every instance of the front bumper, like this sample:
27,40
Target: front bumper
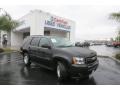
83,70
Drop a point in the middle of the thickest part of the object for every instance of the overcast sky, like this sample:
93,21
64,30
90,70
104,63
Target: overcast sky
92,22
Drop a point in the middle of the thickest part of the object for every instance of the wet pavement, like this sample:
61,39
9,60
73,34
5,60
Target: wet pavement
13,71
104,50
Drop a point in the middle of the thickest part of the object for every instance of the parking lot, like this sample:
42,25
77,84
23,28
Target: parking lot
13,71
103,50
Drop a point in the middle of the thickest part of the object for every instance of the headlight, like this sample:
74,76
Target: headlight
78,60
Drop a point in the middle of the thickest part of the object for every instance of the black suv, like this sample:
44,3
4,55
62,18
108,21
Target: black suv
59,54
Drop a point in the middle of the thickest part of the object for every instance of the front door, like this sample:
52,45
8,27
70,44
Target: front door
45,54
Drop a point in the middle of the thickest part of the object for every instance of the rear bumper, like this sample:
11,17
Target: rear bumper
83,70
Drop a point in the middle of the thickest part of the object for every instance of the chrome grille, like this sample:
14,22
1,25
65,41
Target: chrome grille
90,60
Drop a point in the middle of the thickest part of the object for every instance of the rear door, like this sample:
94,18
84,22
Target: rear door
33,48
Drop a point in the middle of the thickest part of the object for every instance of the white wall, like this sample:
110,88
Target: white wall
36,23
25,22
16,39
72,33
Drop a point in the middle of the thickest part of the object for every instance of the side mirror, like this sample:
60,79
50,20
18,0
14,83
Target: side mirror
46,46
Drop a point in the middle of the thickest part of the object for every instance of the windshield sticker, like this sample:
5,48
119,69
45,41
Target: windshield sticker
53,40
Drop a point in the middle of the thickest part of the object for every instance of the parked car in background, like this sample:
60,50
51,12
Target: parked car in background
116,44
79,44
82,44
86,44
109,44
91,44
60,55
98,43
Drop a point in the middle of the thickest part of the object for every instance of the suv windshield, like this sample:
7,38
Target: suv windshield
61,42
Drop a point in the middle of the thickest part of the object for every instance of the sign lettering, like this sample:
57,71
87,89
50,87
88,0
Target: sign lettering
58,23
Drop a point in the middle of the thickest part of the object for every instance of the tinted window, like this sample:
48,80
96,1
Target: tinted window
35,41
44,41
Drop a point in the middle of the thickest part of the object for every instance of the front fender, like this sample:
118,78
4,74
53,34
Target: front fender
65,59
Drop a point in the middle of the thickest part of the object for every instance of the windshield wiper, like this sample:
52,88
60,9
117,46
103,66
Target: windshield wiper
69,46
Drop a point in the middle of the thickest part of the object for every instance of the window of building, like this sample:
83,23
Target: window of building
26,34
47,33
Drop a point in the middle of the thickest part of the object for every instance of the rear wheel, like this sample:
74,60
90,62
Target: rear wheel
26,59
61,71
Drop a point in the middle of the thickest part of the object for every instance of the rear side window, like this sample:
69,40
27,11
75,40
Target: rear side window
35,41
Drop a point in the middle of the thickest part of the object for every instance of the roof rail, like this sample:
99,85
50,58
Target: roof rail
36,35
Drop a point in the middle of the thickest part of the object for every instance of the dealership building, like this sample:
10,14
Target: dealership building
37,22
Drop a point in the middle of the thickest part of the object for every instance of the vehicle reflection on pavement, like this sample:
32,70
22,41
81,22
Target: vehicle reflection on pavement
49,77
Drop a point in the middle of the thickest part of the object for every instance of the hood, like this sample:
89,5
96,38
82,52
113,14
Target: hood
78,51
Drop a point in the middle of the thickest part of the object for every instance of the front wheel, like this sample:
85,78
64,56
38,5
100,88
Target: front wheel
26,59
61,71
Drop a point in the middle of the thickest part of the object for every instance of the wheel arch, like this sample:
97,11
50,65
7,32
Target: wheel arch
24,51
63,60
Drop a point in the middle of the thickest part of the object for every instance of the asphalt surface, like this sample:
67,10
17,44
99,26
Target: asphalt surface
13,72
105,50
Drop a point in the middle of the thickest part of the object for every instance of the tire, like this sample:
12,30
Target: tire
61,71
26,59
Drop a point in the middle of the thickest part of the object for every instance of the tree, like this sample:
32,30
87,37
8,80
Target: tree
7,24
116,16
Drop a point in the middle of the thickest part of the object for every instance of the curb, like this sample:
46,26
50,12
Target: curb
109,57
102,56
115,59
8,52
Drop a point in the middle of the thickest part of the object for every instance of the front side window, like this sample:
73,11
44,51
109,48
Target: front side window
44,41
61,42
